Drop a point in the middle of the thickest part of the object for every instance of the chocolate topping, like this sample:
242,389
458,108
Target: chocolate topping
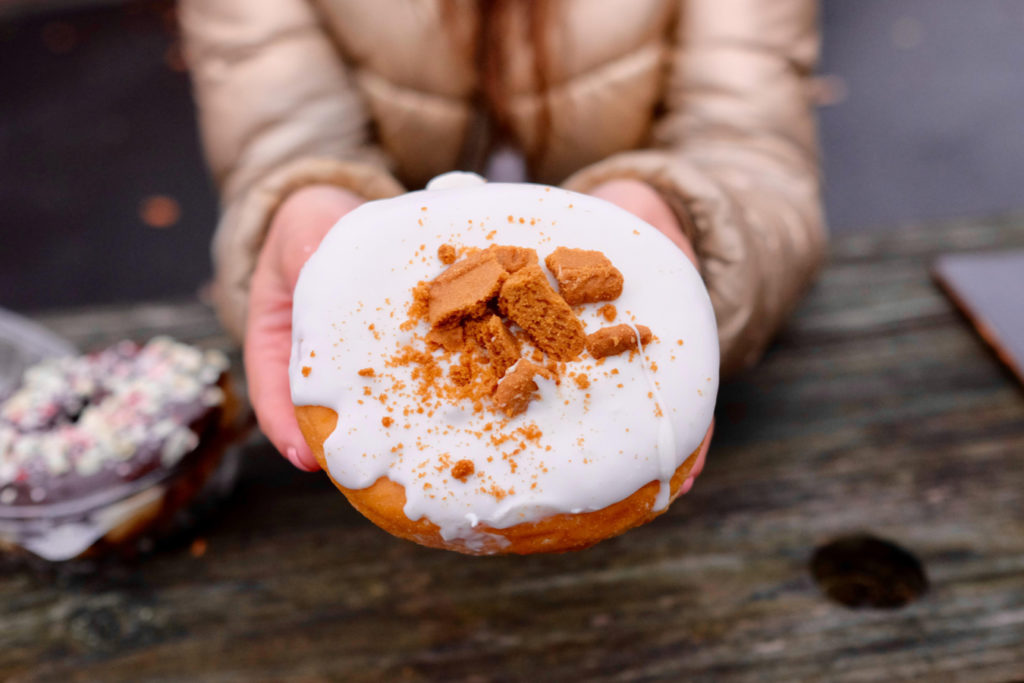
78,425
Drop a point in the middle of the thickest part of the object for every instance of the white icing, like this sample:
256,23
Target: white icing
666,443
598,445
454,180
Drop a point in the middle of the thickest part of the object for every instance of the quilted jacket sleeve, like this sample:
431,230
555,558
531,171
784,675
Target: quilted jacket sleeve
277,111
735,153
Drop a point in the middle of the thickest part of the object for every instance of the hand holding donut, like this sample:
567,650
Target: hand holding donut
459,400
296,231
643,201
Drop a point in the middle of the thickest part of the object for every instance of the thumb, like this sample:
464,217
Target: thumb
267,350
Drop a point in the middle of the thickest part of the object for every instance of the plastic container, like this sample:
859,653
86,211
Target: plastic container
120,517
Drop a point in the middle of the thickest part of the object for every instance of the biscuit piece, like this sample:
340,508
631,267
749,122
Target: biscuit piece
502,347
464,289
530,302
517,388
609,341
583,276
448,338
513,258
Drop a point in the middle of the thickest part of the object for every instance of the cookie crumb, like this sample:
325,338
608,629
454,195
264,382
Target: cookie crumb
306,370
460,375
463,469
387,421
609,341
446,253
367,372
608,312
418,307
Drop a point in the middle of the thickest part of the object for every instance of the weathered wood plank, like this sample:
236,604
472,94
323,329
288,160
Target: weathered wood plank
877,410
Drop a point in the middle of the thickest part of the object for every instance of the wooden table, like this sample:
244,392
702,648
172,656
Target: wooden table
877,411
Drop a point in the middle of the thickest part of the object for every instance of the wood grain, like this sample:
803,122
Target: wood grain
877,410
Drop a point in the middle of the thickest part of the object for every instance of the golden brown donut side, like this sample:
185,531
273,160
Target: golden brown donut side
383,504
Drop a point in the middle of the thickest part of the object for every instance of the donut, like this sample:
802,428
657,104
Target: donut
96,449
502,368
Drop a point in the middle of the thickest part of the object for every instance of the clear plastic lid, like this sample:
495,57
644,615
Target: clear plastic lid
22,344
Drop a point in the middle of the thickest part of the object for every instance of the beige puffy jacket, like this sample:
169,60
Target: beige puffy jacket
706,100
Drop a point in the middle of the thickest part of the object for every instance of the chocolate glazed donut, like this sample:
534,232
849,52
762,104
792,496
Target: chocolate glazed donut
112,443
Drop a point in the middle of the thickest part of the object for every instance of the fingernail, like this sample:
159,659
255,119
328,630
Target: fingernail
293,456
687,485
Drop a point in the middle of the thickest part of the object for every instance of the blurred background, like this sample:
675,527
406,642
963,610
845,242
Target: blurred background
920,101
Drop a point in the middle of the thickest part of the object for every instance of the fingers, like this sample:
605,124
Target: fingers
267,350
643,201
300,224
698,466
685,488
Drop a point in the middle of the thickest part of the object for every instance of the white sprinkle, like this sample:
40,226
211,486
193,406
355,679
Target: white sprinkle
177,445
89,462
213,396
56,460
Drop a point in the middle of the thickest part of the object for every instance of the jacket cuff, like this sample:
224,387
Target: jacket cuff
247,216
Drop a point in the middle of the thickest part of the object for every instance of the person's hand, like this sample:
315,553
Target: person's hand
643,201
295,232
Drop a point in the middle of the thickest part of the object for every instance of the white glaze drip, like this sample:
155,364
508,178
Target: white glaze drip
597,446
666,435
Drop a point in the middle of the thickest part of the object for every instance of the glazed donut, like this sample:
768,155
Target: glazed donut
89,445
502,368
